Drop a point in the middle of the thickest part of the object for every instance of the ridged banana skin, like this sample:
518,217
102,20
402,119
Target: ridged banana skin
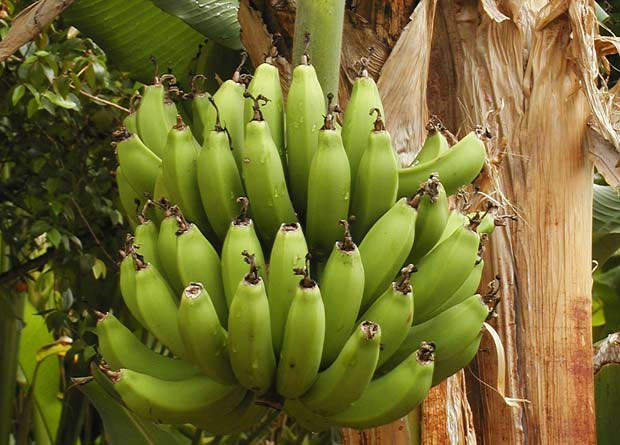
130,123
393,311
302,344
305,107
348,376
151,119
266,81
457,167
121,349
264,181
385,248
128,287
443,270
139,164
389,397
249,338
204,337
288,252
432,219
240,419
128,197
146,236
219,182
358,123
198,261
158,308
450,331
342,288
171,112
167,250
175,402
329,192
304,417
376,183
241,236
451,365
200,108
434,146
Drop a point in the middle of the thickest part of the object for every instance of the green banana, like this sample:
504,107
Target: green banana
393,395
357,122
443,270
130,121
487,223
219,180
130,199
167,247
249,333
386,247
139,164
450,331
304,417
266,83
457,167
198,261
182,401
288,252
456,219
200,107
263,176
348,376
329,188
376,183
240,419
241,237
121,349
305,106
394,312
146,237
433,213
451,365
342,287
204,337
128,279
157,306
302,344
435,144
159,192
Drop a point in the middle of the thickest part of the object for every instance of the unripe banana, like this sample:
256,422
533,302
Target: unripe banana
240,419
305,107
304,417
451,365
249,334
121,349
393,395
266,83
130,123
159,192
130,199
241,237
376,183
457,167
487,223
435,144
386,247
146,237
128,280
456,219
139,164
329,188
342,287
167,248
357,122
219,180
394,312
348,376
204,337
302,343
198,261
263,176
443,270
182,401
288,252
200,107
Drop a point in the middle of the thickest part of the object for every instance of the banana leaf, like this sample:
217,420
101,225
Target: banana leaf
607,399
605,223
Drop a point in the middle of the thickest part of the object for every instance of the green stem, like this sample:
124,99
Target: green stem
323,19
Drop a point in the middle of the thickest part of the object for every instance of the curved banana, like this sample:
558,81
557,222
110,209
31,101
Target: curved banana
342,287
146,237
167,248
139,164
304,417
393,311
241,237
200,108
288,252
219,180
182,401
249,333
451,365
456,219
386,247
329,187
128,280
159,192
457,167
263,176
435,144
204,337
240,419
357,122
302,343
121,349
348,376
130,200
392,395
376,183
305,107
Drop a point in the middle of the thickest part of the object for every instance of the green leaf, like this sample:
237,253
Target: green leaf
18,93
59,101
605,223
99,269
54,237
215,19
607,397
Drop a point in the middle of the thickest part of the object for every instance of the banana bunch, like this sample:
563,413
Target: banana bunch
286,262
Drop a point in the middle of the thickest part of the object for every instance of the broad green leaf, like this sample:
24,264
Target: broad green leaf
215,19
606,290
605,223
99,269
607,398
18,93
